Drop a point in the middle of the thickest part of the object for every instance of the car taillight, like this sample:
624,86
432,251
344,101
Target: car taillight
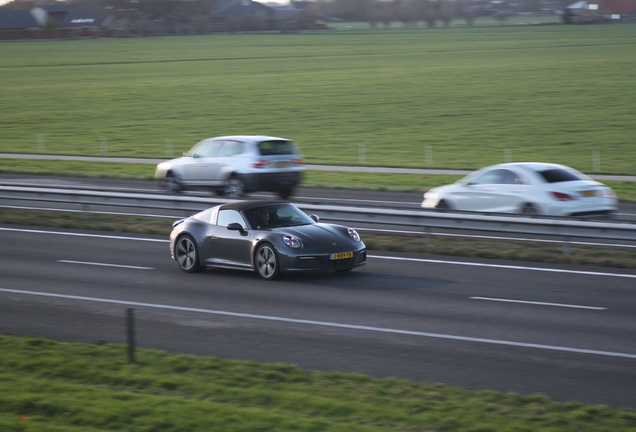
562,197
260,164
299,161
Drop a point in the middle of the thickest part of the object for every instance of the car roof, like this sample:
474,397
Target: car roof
252,138
533,166
243,205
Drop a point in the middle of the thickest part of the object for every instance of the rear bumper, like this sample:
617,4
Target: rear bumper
272,182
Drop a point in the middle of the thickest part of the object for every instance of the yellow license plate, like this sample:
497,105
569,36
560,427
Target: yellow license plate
283,164
341,255
588,193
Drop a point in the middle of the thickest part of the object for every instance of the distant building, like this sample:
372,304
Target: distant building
602,10
19,20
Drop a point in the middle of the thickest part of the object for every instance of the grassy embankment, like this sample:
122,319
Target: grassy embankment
72,387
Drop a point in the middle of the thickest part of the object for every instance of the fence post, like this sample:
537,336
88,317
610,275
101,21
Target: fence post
596,161
103,144
41,143
362,153
507,154
130,326
169,148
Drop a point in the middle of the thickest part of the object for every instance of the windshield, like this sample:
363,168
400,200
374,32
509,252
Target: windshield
276,216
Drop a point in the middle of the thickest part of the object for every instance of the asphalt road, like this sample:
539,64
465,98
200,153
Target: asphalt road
567,333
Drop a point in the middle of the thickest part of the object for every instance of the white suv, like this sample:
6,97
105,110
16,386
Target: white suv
235,165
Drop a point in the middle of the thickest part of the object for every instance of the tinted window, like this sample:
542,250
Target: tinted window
279,215
227,217
558,175
280,147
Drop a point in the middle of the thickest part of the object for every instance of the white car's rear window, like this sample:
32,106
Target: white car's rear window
277,147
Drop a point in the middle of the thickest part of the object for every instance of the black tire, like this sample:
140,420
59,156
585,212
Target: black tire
285,193
170,184
186,254
442,205
529,210
234,188
266,262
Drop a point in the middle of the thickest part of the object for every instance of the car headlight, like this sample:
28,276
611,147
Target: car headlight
353,234
292,242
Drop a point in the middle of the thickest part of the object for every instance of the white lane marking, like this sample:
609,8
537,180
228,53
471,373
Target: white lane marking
327,324
84,235
498,238
474,264
538,303
106,265
502,266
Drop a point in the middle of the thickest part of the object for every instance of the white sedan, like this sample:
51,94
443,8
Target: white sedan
528,188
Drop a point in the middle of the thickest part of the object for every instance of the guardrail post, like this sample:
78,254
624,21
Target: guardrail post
130,327
85,211
427,235
566,245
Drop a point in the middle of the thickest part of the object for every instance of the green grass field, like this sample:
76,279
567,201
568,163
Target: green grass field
71,387
453,98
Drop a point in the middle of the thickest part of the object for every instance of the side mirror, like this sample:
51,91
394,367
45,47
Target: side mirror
314,217
235,226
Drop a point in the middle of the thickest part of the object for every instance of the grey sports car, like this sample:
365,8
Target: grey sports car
268,237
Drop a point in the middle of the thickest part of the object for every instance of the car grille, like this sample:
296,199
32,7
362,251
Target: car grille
323,262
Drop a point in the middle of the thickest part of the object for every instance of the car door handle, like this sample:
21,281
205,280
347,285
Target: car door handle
202,165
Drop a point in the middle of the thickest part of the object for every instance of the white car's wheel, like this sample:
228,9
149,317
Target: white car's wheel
234,188
529,210
170,184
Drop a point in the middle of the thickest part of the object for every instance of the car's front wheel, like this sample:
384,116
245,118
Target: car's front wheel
266,262
442,205
170,184
187,254
234,188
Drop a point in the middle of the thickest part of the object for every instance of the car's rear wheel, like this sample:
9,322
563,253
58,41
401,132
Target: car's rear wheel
187,254
266,262
170,184
234,188
529,210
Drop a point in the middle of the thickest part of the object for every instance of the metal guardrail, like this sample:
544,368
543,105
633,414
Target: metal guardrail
566,229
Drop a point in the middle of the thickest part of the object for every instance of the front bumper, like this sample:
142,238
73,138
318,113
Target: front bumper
318,262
